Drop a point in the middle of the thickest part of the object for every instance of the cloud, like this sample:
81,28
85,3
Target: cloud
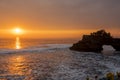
61,14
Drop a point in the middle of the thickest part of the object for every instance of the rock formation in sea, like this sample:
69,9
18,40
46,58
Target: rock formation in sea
95,41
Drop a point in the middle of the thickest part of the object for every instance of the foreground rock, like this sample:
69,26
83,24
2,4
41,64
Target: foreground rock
95,41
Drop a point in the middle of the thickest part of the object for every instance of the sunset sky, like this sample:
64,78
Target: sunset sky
59,18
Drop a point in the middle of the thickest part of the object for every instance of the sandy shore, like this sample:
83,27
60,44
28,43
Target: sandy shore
56,64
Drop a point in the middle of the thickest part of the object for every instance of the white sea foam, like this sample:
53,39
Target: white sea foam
66,64
36,48
108,50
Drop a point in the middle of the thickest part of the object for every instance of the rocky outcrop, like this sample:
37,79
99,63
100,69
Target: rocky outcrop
116,43
95,41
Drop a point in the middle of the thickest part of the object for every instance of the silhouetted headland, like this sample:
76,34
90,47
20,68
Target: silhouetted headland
95,41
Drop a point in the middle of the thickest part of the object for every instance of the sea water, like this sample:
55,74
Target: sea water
27,45
45,59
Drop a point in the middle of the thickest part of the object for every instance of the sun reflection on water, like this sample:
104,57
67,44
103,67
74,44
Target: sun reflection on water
16,65
18,46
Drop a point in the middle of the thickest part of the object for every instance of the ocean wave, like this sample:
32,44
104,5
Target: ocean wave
39,48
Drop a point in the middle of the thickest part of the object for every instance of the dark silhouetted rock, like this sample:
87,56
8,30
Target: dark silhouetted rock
116,43
95,41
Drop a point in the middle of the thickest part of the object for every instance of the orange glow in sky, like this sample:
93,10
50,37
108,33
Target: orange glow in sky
49,34
17,31
58,18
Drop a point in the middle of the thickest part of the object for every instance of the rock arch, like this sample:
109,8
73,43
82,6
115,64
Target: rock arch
95,41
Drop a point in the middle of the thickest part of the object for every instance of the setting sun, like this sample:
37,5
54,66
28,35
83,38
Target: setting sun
18,31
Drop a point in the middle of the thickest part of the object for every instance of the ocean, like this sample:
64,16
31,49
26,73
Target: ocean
42,59
21,44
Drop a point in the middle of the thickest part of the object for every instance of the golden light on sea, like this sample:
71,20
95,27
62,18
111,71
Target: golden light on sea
18,43
16,66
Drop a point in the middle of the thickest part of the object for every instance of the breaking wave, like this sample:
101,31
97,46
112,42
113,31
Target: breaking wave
39,48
